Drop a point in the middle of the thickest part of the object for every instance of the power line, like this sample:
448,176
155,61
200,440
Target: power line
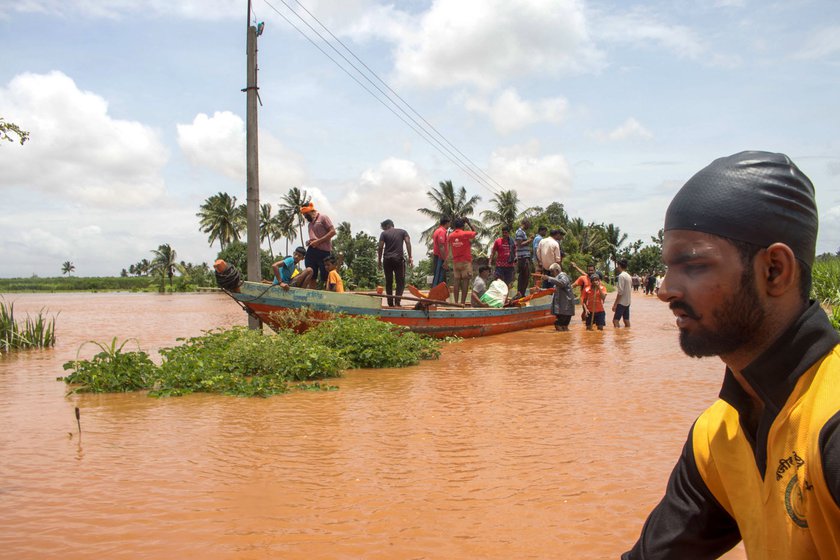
397,95
470,169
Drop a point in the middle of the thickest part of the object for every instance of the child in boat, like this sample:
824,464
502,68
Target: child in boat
286,272
480,286
593,299
334,282
497,292
563,304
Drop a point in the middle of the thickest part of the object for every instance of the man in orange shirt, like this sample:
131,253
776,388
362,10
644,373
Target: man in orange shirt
593,299
460,245
583,283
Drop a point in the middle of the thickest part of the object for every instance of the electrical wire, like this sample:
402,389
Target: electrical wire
470,168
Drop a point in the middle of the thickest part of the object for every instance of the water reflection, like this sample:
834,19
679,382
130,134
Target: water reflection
521,445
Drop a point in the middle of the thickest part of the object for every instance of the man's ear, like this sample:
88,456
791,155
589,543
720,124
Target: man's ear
779,270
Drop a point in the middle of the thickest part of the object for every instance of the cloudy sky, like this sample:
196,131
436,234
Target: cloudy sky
136,112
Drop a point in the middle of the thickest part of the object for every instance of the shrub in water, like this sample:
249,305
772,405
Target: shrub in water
368,343
111,370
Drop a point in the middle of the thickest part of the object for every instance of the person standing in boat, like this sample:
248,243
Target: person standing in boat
460,246
391,258
285,271
503,253
549,252
319,244
563,303
440,251
523,257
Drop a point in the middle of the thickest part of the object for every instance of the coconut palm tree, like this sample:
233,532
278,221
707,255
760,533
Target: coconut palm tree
221,219
270,227
67,268
451,204
505,211
616,239
292,201
165,262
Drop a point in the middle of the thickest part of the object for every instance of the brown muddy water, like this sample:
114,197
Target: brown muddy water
535,444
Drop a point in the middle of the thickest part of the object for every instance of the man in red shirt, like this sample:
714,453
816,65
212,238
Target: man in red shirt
460,245
440,251
504,253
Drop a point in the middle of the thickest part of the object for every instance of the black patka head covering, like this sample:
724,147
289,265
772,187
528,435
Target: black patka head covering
757,197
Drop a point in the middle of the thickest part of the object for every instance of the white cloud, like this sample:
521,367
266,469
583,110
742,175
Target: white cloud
509,112
631,128
194,9
394,189
538,179
487,42
76,149
218,143
641,28
821,43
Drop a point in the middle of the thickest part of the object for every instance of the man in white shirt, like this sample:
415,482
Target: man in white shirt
624,285
548,252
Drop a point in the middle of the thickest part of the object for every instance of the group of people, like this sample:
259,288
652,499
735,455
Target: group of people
519,258
319,263
321,267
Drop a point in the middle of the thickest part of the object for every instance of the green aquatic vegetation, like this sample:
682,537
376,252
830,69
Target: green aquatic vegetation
32,332
825,281
111,370
250,363
369,343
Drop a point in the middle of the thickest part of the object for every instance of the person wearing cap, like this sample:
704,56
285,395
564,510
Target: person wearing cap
390,256
319,244
287,274
592,300
761,464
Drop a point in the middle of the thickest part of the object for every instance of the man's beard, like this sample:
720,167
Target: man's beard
737,322
308,217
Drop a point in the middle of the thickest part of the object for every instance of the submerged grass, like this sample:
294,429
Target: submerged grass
32,332
244,362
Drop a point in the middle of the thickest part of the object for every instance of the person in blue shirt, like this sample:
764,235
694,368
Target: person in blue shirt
284,271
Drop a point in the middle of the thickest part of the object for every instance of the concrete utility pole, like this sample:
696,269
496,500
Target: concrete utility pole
253,166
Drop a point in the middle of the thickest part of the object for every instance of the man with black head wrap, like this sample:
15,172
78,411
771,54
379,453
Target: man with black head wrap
762,464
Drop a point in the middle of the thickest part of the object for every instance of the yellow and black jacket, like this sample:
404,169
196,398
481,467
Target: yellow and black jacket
778,489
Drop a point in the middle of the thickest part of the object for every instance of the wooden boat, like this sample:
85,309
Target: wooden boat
434,319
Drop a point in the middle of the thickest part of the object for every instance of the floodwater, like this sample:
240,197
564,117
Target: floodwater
534,444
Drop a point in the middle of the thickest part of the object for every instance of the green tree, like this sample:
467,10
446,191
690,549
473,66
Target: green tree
236,253
447,202
365,273
271,227
291,204
7,128
67,268
221,219
505,211
343,244
165,262
616,240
